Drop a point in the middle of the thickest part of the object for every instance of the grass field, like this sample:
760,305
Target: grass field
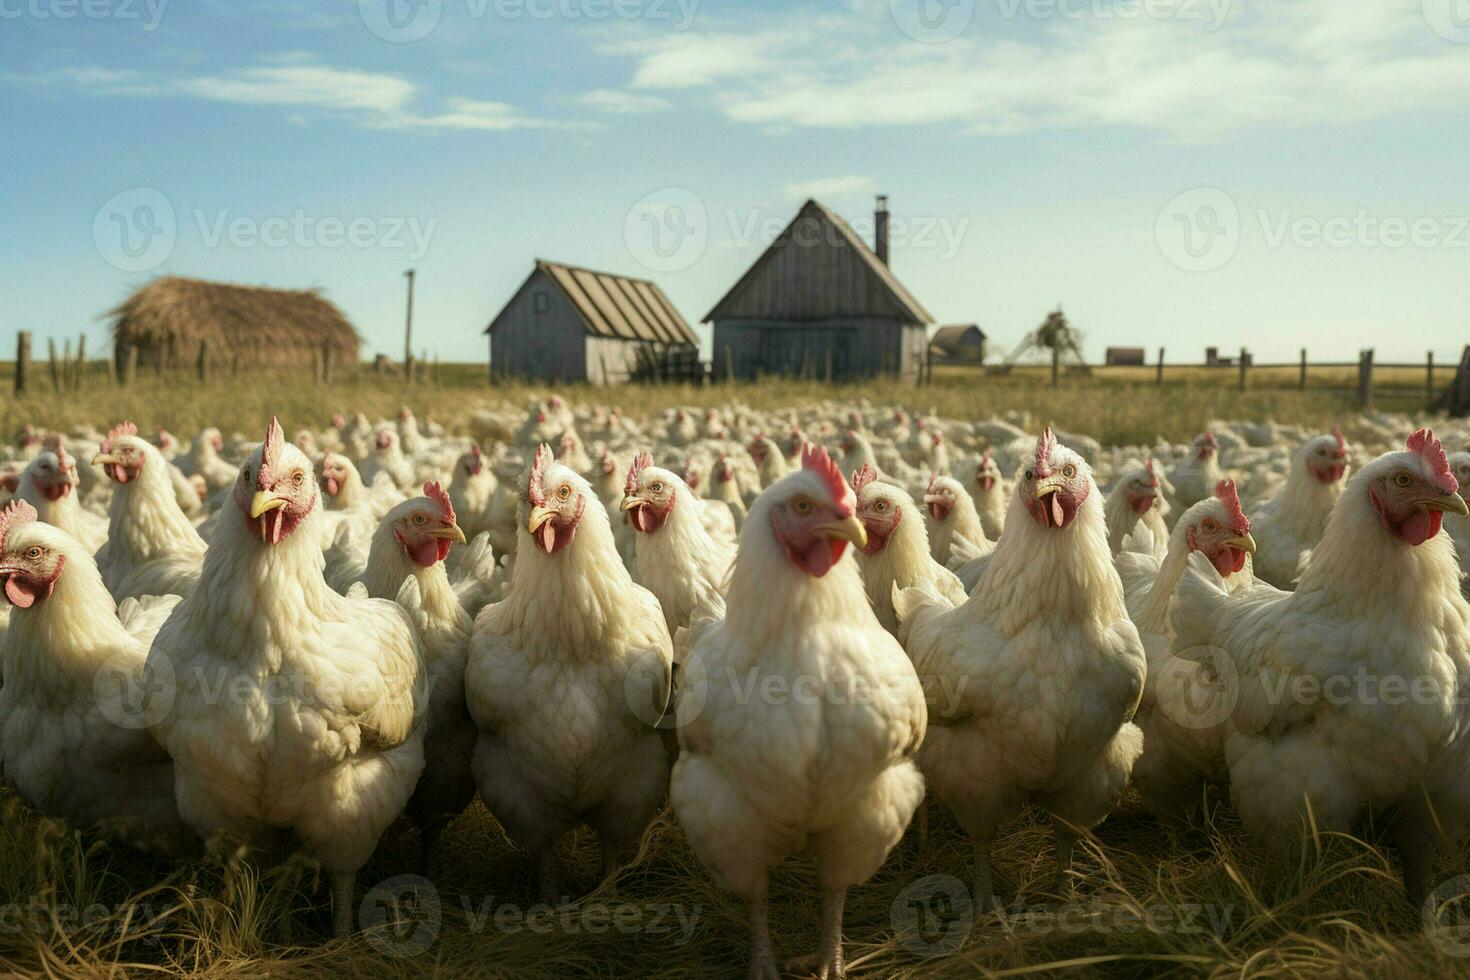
1115,405
1147,903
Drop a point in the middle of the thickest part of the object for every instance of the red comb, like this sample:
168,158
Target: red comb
121,429
18,512
930,485
1429,449
270,452
1045,444
1225,491
814,459
435,492
863,476
475,450
539,462
1337,434
1153,476
641,462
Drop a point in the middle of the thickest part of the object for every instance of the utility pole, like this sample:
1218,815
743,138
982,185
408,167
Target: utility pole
408,332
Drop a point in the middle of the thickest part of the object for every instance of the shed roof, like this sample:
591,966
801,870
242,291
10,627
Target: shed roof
609,305
950,335
824,236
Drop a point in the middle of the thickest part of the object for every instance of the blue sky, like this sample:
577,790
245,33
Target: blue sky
1174,172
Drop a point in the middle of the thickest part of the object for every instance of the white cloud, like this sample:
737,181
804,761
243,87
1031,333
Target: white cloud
622,103
1292,63
831,187
306,85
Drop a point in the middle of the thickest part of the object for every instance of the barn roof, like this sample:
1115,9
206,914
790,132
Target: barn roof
949,335
819,267
228,316
610,305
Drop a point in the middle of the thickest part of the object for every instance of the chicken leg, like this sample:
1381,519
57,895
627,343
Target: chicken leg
342,918
828,962
984,877
1066,844
762,960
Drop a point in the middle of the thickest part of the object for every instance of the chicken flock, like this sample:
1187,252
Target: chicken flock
791,625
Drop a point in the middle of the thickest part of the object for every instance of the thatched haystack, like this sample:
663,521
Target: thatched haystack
240,326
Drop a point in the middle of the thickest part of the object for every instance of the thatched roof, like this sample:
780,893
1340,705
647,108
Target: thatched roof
250,324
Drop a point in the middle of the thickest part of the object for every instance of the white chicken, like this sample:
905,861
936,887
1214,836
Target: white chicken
152,548
75,740
949,516
1291,523
830,775
297,713
1038,673
987,488
675,557
1195,477
566,681
1349,689
896,552
1134,513
470,488
48,483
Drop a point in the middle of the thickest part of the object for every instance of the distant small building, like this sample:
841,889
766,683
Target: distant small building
1213,358
1124,356
571,324
819,303
959,342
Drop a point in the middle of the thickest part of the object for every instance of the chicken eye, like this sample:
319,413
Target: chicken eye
564,492
801,505
1211,526
1069,471
298,478
1030,475
881,506
245,474
33,552
657,486
1403,480
419,518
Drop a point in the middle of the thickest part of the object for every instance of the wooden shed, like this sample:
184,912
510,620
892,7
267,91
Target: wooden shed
571,324
240,326
1124,356
819,303
959,342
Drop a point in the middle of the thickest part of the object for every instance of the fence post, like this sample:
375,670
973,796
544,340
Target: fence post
1429,379
81,361
1056,365
1245,363
1301,381
22,360
201,366
1159,370
66,368
52,366
1365,379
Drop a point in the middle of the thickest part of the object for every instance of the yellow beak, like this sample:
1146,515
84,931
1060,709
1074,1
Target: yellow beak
539,516
848,529
452,532
1244,542
1451,503
105,459
1048,486
631,500
265,500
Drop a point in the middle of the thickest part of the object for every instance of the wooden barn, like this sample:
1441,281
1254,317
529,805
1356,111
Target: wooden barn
570,324
1123,356
960,342
819,303
168,320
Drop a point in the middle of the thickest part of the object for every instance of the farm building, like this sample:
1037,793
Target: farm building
959,342
239,326
820,303
570,324
1119,356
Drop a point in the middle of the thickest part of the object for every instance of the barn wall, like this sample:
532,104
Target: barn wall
859,347
550,345
610,361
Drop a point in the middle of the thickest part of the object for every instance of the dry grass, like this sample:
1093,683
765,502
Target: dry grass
1111,405
1203,903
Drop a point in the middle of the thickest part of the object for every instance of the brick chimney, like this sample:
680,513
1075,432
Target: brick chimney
880,229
